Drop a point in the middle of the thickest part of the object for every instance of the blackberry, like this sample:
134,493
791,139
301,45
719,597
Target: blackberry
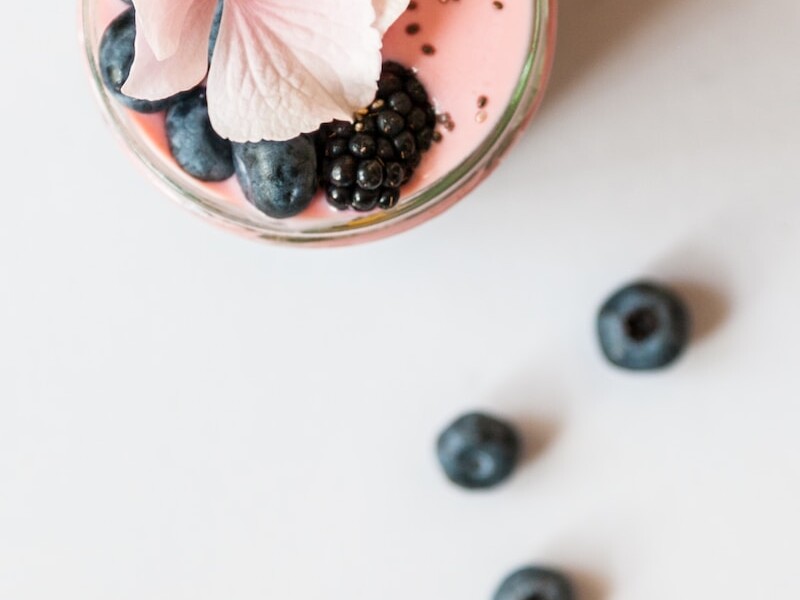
362,165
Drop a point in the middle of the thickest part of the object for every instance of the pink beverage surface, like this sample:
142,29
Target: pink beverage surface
469,54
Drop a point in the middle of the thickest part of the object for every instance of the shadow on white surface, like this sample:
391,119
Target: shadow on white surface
538,435
589,585
534,403
708,306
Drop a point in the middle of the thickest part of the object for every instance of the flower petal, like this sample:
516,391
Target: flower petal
151,79
161,22
283,67
387,12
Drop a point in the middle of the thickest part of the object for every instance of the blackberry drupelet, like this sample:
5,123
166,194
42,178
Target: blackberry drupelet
362,165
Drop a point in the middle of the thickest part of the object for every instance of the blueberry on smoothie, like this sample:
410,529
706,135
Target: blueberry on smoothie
535,583
116,57
278,178
478,451
194,144
643,326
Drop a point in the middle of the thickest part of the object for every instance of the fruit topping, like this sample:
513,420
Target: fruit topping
380,151
278,178
193,142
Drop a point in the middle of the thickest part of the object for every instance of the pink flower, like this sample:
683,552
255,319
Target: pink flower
280,67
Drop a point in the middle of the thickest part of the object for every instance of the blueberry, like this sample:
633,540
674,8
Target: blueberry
278,178
535,583
643,326
478,451
212,40
194,144
116,57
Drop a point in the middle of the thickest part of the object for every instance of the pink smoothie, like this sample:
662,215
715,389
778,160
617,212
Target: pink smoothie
468,53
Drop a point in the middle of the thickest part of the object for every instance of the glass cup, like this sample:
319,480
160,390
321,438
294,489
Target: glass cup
348,227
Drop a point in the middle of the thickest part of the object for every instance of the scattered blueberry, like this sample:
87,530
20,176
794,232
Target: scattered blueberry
193,142
116,57
278,178
643,326
535,583
478,451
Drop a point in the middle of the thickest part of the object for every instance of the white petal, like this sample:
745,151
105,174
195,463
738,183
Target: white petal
151,79
387,12
161,22
283,67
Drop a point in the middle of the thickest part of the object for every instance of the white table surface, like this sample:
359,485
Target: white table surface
185,415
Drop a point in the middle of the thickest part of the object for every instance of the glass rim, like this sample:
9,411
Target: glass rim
423,205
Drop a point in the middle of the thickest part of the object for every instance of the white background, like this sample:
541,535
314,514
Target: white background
189,415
